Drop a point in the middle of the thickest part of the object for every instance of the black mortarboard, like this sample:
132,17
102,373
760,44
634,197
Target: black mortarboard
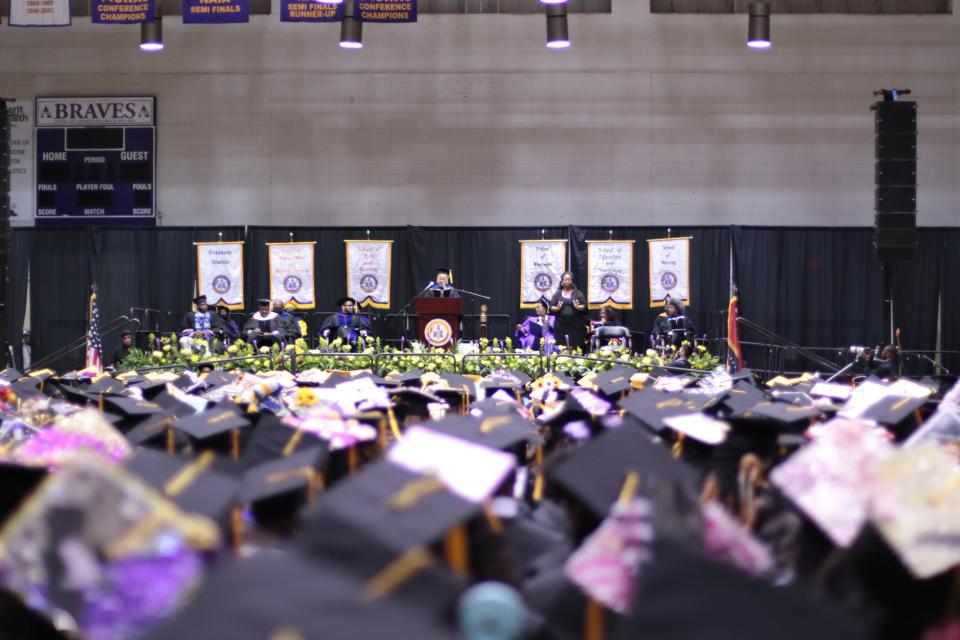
152,432
10,374
742,396
494,407
651,406
502,432
171,403
781,414
263,302
216,428
106,386
614,382
410,401
579,404
893,410
443,270
201,299
18,482
151,388
133,407
270,439
277,490
406,378
216,378
27,387
342,301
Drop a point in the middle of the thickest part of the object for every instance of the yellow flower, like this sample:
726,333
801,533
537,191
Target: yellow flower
166,347
701,348
232,349
306,397
264,349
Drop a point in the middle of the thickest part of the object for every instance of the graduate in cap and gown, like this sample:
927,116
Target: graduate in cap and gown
200,323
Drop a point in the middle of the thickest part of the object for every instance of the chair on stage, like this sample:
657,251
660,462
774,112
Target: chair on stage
605,335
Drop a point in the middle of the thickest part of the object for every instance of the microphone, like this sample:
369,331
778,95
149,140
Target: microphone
428,286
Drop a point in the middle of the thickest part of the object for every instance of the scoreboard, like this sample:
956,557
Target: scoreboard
96,161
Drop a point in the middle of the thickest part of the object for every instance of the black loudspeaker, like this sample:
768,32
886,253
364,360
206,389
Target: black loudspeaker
896,146
893,199
895,236
895,117
895,172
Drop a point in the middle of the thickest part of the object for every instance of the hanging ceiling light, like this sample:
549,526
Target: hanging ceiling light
558,37
330,1
554,1
758,26
151,34
351,29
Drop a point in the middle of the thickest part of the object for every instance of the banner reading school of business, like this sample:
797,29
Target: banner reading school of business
541,264
610,274
220,273
669,270
368,272
291,273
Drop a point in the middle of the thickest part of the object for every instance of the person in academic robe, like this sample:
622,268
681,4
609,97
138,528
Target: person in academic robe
198,324
121,352
288,322
229,331
441,287
671,327
536,328
347,324
264,328
570,307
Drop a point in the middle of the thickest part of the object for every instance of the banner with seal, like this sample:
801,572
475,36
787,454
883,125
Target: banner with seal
291,273
220,273
669,270
610,274
368,272
541,263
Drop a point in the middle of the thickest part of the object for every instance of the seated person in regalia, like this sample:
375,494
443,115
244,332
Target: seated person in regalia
264,328
347,324
537,327
199,324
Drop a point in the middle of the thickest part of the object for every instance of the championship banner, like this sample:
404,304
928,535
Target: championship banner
310,11
387,10
291,273
541,264
669,270
215,11
368,272
39,13
121,11
610,274
220,273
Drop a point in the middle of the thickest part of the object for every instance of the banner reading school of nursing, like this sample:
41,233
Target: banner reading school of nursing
310,11
541,264
121,11
387,10
291,273
610,274
669,270
220,273
215,11
39,13
368,272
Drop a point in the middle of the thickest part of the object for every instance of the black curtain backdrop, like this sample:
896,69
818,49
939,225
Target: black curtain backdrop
18,265
814,286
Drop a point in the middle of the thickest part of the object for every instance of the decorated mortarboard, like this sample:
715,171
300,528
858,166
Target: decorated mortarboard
893,410
79,434
494,406
652,406
502,379
131,378
579,404
503,432
414,401
614,382
406,378
700,427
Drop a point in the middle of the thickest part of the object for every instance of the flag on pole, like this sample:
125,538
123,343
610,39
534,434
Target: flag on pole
734,359
94,346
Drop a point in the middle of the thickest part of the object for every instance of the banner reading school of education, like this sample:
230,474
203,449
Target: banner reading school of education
541,263
291,273
610,274
215,11
669,270
121,11
310,11
387,10
39,13
220,273
368,272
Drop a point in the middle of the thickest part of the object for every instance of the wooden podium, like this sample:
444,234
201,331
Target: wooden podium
439,319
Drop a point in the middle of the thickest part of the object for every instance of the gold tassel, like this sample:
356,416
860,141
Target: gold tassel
411,493
382,432
235,444
629,489
171,441
593,621
678,445
456,551
394,427
538,476
292,443
236,527
397,572
186,476
492,520
352,460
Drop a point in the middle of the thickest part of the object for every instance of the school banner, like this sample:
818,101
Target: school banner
220,273
121,11
610,274
39,13
368,272
310,11
669,270
387,10
215,11
541,263
291,273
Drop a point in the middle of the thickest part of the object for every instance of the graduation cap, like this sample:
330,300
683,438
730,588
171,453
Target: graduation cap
278,489
271,439
414,402
10,374
263,302
652,406
18,481
217,428
150,388
614,382
345,299
133,407
406,378
217,378
503,432
444,270
201,299
494,406
894,411
784,415
157,431
511,381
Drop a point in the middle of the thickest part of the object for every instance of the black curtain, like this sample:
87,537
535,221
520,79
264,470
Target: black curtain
916,288
16,303
950,298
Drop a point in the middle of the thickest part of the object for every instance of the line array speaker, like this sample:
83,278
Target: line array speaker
895,172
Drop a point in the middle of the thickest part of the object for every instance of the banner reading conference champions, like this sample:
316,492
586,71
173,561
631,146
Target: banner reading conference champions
541,263
220,273
368,272
291,273
669,270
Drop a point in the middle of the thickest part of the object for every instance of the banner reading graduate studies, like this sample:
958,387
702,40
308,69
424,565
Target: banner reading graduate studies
368,272
669,270
220,273
121,11
215,11
541,264
39,13
610,274
291,273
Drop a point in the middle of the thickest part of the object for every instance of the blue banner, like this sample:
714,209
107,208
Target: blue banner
215,11
121,11
387,10
310,11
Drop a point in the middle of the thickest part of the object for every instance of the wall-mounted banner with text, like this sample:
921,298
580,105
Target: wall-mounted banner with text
368,272
310,11
610,274
291,273
220,273
387,10
121,11
39,13
541,263
669,270
215,11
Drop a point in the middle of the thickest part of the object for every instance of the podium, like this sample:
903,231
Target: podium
439,319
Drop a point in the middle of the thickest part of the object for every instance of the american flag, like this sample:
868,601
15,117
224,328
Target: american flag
94,346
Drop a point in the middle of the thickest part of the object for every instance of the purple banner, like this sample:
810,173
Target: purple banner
387,10
310,11
215,11
121,11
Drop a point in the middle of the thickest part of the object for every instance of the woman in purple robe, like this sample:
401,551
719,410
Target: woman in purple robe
531,330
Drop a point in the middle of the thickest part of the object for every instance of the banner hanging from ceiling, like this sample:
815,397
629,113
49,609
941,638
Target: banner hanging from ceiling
387,10
216,11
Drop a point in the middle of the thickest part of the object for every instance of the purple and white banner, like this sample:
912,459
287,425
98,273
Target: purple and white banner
121,11
387,10
215,11
310,11
39,13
